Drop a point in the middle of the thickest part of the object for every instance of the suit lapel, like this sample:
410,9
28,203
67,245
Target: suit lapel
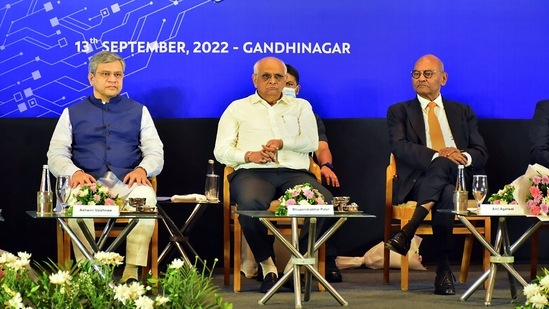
416,120
453,114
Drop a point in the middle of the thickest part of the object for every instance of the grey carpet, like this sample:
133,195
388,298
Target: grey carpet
363,288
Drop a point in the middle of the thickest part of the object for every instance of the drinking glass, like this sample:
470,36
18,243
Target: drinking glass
62,191
480,188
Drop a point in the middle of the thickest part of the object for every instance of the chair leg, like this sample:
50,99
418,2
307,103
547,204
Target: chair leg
466,258
404,273
322,265
60,243
237,257
404,268
226,249
386,263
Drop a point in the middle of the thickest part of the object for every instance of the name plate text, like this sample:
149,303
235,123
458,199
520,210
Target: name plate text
95,211
501,209
296,210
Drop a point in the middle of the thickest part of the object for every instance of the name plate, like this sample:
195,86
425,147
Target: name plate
501,209
296,210
95,211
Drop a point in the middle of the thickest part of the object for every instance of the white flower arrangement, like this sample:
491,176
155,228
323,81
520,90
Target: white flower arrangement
303,194
537,292
81,286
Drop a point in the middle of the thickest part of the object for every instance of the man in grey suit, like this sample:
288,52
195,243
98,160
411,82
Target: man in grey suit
427,165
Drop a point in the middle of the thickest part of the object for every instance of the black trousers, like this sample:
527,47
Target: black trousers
437,185
254,189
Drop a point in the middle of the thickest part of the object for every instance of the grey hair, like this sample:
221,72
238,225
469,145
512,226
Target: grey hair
104,57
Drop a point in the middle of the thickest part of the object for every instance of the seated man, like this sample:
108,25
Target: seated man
112,140
430,136
267,138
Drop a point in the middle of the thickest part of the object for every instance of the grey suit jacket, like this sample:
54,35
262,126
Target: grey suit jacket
408,141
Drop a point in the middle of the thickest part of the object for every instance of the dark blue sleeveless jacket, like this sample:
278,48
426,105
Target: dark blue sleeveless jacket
106,136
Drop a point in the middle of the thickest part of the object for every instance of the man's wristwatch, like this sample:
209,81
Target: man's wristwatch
328,164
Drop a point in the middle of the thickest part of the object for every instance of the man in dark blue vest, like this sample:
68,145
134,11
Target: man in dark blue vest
111,140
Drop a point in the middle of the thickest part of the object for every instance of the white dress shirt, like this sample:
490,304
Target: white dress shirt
251,122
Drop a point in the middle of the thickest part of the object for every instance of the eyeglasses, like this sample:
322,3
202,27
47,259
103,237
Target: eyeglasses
426,73
107,74
268,76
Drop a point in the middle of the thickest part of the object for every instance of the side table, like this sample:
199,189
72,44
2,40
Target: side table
179,236
501,253
308,260
89,238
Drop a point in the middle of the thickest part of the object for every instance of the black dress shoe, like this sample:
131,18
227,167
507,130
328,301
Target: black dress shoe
399,243
444,283
289,284
333,275
129,281
268,282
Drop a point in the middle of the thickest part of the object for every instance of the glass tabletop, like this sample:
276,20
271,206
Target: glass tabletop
126,215
271,214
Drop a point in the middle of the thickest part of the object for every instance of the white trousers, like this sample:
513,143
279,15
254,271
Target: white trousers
137,241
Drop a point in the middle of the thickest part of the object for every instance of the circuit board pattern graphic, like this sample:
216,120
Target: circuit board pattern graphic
45,46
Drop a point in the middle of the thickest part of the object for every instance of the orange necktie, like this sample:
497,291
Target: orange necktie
437,141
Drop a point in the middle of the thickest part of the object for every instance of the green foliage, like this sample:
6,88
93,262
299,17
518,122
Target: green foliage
188,287
83,286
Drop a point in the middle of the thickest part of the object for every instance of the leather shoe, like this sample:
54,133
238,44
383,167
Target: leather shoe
444,283
269,281
290,284
129,281
333,275
399,243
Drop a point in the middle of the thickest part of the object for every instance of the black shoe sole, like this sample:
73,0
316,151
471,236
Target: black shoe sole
445,292
396,249
333,276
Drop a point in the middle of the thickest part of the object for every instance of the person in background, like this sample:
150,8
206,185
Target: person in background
111,140
329,178
429,137
267,138
539,134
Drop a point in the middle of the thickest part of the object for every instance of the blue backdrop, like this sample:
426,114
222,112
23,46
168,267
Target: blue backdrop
190,59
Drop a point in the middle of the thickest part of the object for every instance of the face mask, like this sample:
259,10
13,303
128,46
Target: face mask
289,92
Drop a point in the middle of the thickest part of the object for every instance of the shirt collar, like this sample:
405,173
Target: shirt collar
99,102
424,102
255,98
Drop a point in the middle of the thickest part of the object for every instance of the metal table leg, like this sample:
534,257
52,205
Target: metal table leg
301,260
504,259
80,245
178,236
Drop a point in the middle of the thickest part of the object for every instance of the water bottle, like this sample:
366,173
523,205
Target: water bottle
211,188
460,193
44,197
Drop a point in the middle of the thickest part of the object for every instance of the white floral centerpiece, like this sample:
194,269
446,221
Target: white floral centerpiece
529,192
81,286
537,292
504,196
303,194
92,195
